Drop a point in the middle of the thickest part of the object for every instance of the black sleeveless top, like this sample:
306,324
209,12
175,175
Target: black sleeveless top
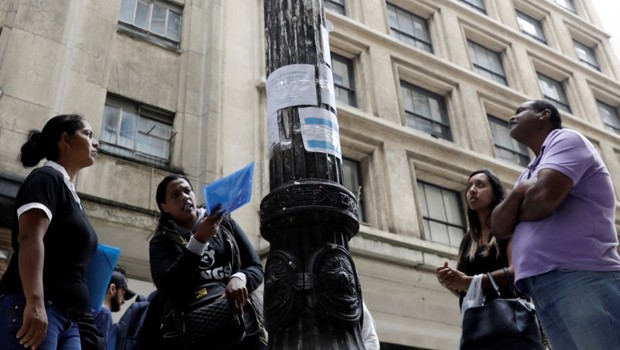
483,264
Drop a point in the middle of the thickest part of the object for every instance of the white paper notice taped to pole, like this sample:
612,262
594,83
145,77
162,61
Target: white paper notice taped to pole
320,131
327,56
326,82
291,85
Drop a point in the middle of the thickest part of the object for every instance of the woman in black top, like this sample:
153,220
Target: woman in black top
190,248
479,251
44,288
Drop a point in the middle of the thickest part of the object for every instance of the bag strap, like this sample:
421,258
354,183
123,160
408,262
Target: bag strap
254,302
510,281
228,233
173,236
495,285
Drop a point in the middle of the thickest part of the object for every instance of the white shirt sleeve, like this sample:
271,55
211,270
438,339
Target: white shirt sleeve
369,334
241,276
34,205
196,246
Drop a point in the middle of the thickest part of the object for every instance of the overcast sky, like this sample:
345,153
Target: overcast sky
609,12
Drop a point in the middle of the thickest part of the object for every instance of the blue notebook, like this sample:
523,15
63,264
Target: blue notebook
232,191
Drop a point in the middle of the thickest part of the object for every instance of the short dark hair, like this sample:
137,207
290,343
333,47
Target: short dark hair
554,117
44,143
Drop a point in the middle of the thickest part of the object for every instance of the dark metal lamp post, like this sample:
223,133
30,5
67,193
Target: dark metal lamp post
312,294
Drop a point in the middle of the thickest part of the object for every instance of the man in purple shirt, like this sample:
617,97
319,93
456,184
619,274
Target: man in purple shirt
561,214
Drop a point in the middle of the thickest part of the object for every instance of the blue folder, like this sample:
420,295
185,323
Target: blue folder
99,273
232,191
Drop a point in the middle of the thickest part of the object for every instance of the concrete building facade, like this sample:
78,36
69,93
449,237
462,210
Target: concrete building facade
424,87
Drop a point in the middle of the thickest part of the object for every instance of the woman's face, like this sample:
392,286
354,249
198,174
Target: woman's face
180,202
479,192
83,146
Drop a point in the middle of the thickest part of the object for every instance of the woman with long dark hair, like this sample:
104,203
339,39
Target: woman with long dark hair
480,252
44,289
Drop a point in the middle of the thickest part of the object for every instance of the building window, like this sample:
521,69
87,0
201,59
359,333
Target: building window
531,27
442,213
506,147
567,4
352,180
409,28
136,132
344,80
158,21
426,111
487,63
335,5
553,92
610,116
586,55
476,4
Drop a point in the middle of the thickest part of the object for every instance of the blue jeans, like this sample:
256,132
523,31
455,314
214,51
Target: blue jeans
62,333
578,309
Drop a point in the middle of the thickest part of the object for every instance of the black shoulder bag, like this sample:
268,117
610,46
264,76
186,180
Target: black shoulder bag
506,324
210,321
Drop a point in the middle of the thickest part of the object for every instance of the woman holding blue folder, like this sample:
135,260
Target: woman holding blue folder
191,248
44,289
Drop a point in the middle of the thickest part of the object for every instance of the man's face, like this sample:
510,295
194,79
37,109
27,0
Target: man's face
118,299
525,123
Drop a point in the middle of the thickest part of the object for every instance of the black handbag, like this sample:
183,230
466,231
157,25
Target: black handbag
210,321
504,324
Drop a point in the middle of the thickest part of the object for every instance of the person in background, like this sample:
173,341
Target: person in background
369,334
202,255
561,217
480,251
44,290
116,295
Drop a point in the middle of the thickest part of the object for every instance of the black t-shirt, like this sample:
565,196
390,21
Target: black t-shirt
216,262
69,243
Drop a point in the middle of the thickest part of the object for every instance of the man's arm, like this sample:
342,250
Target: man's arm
545,195
531,200
505,216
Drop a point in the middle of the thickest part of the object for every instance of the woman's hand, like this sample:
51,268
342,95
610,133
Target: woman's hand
442,277
453,279
207,228
237,293
34,328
